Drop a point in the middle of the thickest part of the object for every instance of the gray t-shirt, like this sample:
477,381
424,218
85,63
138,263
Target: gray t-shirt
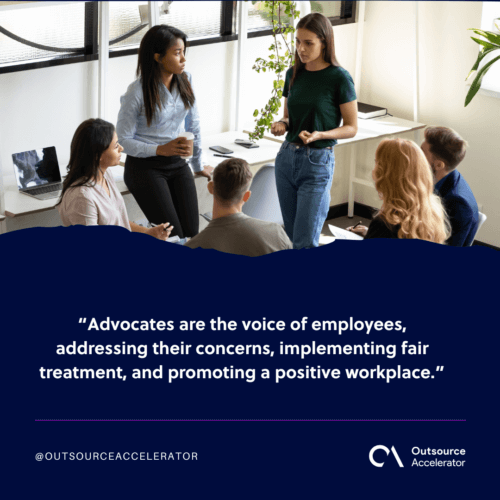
91,206
243,235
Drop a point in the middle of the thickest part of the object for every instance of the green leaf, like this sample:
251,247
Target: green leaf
484,43
256,112
489,35
476,84
480,57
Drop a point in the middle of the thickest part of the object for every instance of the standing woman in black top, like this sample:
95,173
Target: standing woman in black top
318,95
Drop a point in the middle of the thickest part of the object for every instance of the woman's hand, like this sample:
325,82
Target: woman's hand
161,232
361,230
206,172
278,128
177,147
308,137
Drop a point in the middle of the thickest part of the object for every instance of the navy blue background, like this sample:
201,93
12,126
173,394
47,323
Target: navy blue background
446,297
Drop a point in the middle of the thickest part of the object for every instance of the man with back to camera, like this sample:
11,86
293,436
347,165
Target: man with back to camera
444,150
230,230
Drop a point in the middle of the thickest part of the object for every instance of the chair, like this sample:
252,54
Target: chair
482,218
264,203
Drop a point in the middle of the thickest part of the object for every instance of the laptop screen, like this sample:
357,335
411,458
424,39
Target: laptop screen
36,167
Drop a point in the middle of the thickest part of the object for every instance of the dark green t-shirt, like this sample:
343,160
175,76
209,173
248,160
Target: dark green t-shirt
314,101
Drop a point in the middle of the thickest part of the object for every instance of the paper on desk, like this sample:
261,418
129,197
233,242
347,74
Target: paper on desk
342,234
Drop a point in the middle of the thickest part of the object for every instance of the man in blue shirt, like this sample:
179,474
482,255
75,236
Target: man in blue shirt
444,150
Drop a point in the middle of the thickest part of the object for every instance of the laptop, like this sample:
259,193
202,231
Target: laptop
37,173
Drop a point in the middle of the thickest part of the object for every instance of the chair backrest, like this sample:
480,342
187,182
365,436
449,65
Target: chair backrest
481,220
264,203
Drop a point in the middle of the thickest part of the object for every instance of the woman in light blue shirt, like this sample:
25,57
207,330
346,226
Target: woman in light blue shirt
155,110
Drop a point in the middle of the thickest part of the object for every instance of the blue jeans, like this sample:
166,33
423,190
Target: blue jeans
303,178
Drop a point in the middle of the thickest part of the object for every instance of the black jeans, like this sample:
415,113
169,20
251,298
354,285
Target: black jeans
164,189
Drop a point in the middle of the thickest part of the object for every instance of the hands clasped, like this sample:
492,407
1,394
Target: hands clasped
280,128
308,137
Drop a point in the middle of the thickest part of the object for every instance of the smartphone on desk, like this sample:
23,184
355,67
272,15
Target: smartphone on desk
246,144
220,149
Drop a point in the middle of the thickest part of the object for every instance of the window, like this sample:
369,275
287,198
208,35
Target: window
41,34
128,21
126,25
259,16
491,81
41,26
337,12
196,19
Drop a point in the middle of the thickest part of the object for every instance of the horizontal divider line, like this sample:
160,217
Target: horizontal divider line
257,420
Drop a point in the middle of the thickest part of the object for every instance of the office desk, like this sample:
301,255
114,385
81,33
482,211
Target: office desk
18,204
368,130
256,158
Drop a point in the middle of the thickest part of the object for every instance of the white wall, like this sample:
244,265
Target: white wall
446,56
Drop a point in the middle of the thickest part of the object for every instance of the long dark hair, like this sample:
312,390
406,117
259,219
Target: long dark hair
90,141
157,41
322,28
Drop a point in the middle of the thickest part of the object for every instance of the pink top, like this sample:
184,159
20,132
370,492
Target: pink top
91,206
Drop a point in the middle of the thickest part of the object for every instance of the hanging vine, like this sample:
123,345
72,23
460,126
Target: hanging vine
282,15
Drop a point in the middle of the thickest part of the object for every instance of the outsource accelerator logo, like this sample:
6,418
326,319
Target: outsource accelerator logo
427,457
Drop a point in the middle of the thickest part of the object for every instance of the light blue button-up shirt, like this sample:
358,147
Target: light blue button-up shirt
141,141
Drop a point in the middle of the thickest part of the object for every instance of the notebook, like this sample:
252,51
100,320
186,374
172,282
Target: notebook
366,111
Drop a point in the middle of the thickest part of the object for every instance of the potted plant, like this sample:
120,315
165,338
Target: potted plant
487,46
282,15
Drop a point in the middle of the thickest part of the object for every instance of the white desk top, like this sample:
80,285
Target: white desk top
2,217
18,204
266,152
373,129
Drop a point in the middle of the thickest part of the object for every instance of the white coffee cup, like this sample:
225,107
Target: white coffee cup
190,138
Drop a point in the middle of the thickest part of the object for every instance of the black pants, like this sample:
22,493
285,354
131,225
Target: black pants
164,189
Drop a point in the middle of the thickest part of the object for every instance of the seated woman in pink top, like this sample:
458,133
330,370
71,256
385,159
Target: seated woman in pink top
90,196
